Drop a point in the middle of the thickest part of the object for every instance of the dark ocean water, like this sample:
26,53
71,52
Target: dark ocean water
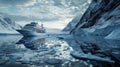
18,51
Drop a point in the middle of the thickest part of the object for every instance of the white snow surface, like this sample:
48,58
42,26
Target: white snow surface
115,34
7,26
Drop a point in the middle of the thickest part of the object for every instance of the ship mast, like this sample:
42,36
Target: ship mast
42,25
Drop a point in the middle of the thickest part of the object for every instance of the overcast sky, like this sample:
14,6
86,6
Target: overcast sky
52,13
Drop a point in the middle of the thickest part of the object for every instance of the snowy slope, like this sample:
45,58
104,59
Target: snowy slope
72,23
114,34
7,26
102,18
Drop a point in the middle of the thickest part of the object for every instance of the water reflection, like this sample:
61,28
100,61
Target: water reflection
36,51
33,43
50,51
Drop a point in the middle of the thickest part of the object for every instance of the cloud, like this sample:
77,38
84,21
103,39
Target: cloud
48,11
43,18
16,2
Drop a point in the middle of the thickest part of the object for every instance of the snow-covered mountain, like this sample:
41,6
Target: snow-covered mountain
7,26
100,19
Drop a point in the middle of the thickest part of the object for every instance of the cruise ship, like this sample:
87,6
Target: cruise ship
32,29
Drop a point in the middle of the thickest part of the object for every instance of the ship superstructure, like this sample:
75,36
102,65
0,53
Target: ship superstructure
32,29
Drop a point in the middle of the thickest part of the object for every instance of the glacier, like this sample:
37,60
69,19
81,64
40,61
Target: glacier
7,26
97,30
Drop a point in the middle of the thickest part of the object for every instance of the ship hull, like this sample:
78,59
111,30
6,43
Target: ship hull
30,33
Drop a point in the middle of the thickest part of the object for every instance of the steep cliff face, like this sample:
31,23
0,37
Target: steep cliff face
7,26
99,27
72,23
102,18
101,11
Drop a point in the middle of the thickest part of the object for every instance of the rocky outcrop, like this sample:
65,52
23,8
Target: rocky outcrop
101,18
100,11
